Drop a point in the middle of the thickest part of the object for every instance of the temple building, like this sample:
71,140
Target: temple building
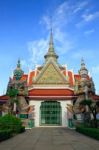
44,93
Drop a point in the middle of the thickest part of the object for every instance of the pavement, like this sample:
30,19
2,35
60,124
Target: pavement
49,138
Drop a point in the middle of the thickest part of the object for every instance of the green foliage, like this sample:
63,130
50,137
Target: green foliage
93,122
22,129
92,109
11,122
92,132
86,102
5,134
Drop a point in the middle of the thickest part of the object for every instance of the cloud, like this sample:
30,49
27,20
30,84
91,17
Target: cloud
95,76
80,6
87,18
46,20
63,44
95,69
24,64
90,17
88,32
37,51
63,15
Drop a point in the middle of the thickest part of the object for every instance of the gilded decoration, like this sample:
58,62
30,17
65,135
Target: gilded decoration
51,76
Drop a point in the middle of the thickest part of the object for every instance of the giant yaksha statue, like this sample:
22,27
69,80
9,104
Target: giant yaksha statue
84,87
85,83
17,90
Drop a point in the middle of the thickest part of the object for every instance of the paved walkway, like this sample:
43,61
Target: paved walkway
50,139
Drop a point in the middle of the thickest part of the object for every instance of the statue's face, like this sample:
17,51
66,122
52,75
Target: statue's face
18,74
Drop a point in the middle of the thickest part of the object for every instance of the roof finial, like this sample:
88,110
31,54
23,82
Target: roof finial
82,60
51,23
83,69
51,52
51,45
82,63
18,63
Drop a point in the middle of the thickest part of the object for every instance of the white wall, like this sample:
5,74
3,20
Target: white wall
64,112
36,111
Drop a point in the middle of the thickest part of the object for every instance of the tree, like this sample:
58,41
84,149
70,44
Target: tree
91,108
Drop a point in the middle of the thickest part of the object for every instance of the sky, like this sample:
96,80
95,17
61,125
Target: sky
25,29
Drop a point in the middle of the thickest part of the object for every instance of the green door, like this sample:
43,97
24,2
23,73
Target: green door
50,113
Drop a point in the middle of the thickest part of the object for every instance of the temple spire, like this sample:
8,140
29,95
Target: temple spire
51,52
18,64
83,70
82,63
51,44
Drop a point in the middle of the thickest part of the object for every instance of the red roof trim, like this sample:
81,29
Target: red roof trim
51,97
95,97
31,75
70,74
51,92
4,97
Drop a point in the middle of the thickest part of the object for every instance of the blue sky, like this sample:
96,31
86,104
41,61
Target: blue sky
24,34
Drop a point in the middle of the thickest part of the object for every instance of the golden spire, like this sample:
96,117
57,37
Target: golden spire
51,45
51,52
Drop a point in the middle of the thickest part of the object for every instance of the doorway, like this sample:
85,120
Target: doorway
50,113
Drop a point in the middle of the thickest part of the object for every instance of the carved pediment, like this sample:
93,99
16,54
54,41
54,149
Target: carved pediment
51,74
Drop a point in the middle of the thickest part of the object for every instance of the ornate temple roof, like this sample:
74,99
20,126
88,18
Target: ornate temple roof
52,80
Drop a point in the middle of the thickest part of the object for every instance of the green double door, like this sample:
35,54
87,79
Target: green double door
50,113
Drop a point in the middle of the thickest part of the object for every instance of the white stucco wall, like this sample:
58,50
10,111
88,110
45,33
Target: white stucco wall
36,111
64,112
